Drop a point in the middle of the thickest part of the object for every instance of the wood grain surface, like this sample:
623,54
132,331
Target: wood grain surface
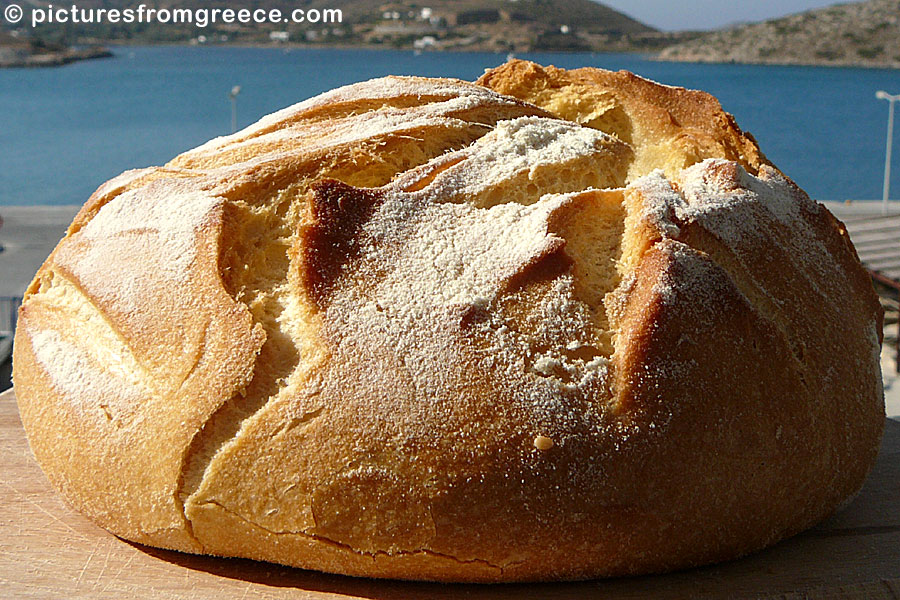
49,551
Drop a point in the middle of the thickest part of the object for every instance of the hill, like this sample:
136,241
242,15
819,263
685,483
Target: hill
862,33
498,25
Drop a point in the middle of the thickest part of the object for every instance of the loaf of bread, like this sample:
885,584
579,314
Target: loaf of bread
552,325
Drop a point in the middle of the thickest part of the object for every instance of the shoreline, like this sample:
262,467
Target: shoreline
63,58
368,47
68,57
23,60
779,63
649,55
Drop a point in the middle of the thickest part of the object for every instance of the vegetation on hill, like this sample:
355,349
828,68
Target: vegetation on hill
501,25
862,33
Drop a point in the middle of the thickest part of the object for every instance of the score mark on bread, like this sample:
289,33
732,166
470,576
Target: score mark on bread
415,328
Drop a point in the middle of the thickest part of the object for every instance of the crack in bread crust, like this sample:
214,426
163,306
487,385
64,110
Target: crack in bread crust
435,564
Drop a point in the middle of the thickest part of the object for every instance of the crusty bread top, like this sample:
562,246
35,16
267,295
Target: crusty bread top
670,127
408,306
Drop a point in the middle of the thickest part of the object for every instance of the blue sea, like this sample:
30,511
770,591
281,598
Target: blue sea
64,131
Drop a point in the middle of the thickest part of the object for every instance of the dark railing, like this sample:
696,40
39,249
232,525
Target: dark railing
9,313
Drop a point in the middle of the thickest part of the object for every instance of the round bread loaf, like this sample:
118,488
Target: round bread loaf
415,328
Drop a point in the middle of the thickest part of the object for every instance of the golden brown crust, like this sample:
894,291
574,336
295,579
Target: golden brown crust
671,126
524,355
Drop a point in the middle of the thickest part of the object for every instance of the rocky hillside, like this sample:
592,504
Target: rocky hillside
862,33
497,25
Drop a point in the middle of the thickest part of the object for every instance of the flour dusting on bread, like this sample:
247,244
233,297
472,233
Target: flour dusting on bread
94,390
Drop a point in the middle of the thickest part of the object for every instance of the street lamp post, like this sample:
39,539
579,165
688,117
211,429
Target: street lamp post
882,95
232,95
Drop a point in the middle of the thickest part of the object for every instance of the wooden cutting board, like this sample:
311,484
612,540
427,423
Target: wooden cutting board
49,551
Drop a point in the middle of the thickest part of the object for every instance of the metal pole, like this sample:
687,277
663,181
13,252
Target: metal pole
232,95
882,95
887,157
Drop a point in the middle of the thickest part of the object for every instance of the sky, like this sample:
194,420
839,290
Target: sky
669,15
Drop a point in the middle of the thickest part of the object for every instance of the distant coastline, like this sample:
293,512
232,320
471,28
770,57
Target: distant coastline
55,58
771,62
18,51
